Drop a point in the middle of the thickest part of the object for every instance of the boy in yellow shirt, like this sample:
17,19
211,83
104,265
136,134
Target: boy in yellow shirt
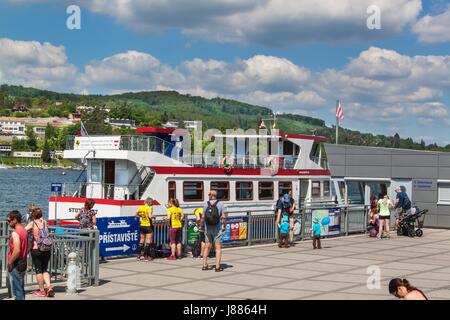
146,229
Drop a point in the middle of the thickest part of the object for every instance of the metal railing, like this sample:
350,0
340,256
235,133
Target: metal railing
255,161
102,190
85,243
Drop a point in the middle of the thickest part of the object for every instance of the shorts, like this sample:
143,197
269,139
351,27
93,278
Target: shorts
175,235
146,230
202,236
399,212
40,260
384,217
213,234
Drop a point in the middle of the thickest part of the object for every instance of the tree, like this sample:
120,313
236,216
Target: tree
94,121
396,141
20,145
31,138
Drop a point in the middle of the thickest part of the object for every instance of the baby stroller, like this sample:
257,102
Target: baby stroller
411,223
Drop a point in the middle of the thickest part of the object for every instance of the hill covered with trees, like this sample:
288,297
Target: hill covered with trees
157,107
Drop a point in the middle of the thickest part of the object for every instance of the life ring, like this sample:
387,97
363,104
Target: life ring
226,164
273,165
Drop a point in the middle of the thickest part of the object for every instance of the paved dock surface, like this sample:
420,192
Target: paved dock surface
338,271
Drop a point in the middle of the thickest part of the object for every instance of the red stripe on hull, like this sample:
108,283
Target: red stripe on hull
103,201
236,172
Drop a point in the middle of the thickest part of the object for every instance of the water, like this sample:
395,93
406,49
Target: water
21,187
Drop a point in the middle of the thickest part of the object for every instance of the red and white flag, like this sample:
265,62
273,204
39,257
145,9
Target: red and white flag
340,112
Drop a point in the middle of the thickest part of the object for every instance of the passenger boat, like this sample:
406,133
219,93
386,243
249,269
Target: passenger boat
122,171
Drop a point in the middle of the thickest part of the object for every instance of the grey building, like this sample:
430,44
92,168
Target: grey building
370,171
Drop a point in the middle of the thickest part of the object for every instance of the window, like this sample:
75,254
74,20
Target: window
172,190
326,188
355,191
265,191
315,190
444,193
96,171
222,188
304,187
192,191
244,191
284,187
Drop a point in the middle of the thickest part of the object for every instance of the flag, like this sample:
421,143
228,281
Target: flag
83,131
340,112
262,125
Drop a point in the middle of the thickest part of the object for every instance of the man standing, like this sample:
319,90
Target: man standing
285,207
402,204
17,255
215,222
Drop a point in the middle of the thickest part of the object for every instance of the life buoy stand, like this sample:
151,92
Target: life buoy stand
225,164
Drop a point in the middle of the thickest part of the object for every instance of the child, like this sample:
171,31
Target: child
316,232
175,216
285,227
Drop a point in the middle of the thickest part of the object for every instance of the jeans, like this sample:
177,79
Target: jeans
16,280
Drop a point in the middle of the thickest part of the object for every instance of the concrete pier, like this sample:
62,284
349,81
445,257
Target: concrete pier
338,271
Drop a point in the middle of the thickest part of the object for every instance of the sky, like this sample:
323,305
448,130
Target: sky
296,56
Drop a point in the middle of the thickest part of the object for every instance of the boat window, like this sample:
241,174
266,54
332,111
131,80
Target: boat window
96,171
284,187
304,186
377,189
192,191
222,188
326,188
172,190
315,190
288,148
355,191
342,189
265,190
244,191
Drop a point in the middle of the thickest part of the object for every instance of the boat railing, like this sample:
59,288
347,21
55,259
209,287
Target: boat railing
102,190
208,161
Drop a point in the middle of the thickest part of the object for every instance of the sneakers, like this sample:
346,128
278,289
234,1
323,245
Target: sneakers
171,258
139,258
39,293
148,258
50,292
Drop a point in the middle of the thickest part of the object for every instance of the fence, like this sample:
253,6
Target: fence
65,240
260,227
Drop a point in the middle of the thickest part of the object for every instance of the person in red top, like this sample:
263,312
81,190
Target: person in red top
17,255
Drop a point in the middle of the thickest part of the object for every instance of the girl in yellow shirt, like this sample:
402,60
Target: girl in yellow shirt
175,216
146,229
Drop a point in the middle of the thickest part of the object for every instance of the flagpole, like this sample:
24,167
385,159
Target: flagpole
337,121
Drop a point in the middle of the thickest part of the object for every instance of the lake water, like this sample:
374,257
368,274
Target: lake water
21,187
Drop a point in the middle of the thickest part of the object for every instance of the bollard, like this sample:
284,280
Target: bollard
72,274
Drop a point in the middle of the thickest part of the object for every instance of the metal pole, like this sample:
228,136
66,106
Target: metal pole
337,122
249,228
96,252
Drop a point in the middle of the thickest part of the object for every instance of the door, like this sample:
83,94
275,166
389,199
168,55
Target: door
404,184
110,178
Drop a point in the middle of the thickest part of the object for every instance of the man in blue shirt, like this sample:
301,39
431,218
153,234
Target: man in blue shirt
285,206
402,204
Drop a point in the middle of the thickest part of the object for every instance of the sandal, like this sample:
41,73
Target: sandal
219,269
205,268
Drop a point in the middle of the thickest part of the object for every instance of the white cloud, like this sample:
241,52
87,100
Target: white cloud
267,22
433,29
425,121
31,63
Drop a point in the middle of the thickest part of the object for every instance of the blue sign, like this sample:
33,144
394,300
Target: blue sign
236,230
56,187
423,184
118,236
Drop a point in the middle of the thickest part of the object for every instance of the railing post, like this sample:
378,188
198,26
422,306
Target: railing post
249,229
96,253
185,239
346,220
365,219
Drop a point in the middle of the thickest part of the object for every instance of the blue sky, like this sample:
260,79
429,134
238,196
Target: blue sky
292,56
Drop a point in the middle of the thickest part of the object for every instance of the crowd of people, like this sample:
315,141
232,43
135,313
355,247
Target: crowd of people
34,237
380,213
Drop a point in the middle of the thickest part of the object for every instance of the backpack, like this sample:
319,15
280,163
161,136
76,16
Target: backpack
44,241
196,249
212,216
